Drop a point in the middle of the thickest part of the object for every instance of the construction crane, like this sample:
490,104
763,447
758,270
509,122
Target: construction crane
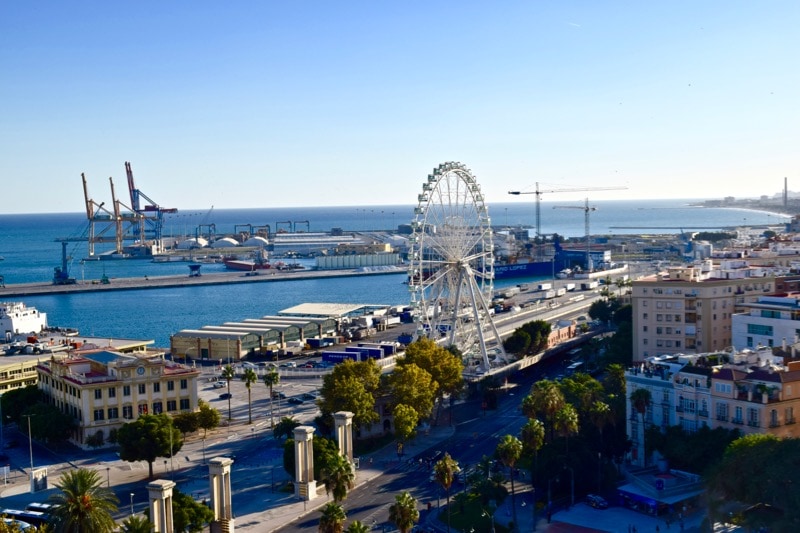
587,209
539,194
152,212
97,214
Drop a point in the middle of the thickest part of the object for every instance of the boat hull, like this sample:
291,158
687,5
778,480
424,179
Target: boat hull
246,266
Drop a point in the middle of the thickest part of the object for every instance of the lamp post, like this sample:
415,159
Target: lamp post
30,442
599,465
108,476
571,485
131,503
2,423
204,450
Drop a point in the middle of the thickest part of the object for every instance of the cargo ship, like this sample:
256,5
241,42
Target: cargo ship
258,262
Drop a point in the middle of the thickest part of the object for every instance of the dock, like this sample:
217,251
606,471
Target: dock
160,282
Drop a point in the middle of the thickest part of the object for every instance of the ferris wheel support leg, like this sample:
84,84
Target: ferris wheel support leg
478,325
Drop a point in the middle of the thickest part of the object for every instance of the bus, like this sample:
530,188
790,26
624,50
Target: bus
574,368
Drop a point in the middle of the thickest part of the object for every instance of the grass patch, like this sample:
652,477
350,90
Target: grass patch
467,513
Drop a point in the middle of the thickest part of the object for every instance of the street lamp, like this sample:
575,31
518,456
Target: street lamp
30,441
108,476
131,503
204,450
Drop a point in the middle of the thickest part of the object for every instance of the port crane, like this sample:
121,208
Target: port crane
587,209
152,213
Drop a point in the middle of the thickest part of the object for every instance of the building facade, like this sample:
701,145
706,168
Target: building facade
770,321
689,309
103,389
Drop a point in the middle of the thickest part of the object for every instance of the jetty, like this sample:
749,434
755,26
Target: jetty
191,280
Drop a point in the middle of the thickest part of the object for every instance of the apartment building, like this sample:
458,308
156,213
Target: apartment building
752,391
688,309
103,389
769,321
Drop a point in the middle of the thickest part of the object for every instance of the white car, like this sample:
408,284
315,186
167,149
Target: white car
219,384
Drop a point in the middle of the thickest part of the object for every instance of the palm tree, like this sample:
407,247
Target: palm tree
271,379
83,504
338,477
445,471
249,377
333,517
601,415
136,524
640,401
358,527
545,399
509,451
532,434
403,513
228,374
566,422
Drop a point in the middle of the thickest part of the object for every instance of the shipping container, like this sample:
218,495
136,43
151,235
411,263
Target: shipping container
545,286
338,357
549,294
589,285
570,286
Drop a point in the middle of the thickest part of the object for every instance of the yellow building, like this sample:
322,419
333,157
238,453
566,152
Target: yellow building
17,371
103,389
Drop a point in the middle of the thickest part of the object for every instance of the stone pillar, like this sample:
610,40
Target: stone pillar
160,496
305,487
219,477
344,433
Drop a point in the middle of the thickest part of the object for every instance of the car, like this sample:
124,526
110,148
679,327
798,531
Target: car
295,400
598,502
249,366
219,384
290,364
225,396
309,397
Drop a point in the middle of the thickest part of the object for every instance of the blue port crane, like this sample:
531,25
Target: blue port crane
152,213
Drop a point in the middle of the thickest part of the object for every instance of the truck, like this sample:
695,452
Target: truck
589,285
549,295
510,292
545,286
561,292
570,286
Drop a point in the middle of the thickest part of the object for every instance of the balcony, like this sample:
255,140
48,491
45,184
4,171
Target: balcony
753,423
739,421
722,418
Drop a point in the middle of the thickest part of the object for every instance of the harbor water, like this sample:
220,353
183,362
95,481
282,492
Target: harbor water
29,248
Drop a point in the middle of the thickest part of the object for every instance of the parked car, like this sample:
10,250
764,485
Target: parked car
295,400
598,502
219,384
225,396
309,397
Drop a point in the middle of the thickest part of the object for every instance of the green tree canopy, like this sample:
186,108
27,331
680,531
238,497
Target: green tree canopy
147,438
137,524
48,423
332,519
249,377
414,387
405,422
445,367
188,514
207,417
338,476
285,427
444,472
403,512
519,342
351,386
18,401
186,422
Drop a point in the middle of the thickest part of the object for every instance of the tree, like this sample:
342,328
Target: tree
48,423
351,386
414,387
405,422
444,471
149,437
518,343
18,401
544,400
566,423
285,427
137,524
403,512
601,415
532,436
641,399
228,374
82,504
326,452
271,379
186,422
509,450
358,527
249,377
333,517
188,514
338,477
445,368
207,417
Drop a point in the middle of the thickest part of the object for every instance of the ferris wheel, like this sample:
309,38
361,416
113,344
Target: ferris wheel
451,264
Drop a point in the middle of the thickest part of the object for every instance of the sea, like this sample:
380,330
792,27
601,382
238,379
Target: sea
30,248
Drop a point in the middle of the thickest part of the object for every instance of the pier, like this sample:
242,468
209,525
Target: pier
160,282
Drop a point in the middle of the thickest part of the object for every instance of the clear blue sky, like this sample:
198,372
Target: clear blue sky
267,103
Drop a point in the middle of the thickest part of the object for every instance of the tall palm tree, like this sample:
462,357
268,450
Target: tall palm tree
228,374
544,400
333,517
338,477
509,451
249,377
566,422
83,504
641,399
601,415
357,526
271,379
403,512
532,434
444,471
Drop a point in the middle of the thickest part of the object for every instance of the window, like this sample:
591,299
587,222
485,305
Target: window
773,418
126,390
142,409
644,316
172,405
659,318
170,386
644,328
156,387
644,341
127,412
758,329
789,414
184,384
99,414
752,417
112,392
98,395
113,413
185,404
722,411
738,417
659,330
157,408
142,388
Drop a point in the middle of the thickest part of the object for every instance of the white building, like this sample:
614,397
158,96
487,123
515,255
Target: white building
17,319
769,321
